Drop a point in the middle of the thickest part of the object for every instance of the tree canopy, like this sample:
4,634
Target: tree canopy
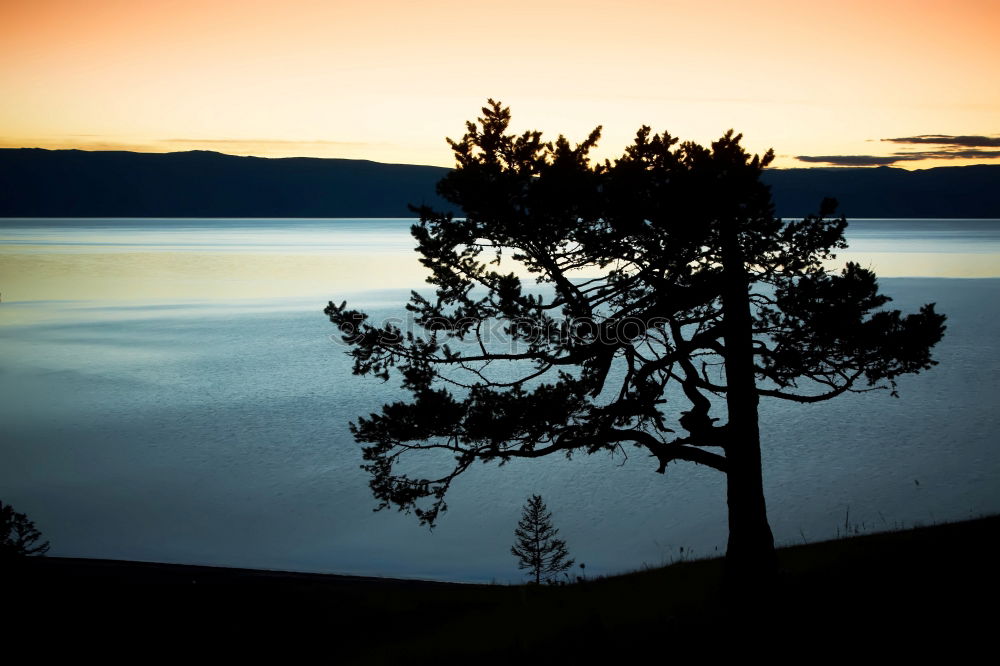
613,282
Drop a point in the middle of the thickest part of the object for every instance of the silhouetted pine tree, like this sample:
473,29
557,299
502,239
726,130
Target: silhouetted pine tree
537,548
698,302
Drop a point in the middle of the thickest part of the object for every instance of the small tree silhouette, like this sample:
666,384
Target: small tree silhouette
537,548
18,536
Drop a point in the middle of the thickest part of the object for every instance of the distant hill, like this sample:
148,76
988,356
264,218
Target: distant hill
967,191
75,183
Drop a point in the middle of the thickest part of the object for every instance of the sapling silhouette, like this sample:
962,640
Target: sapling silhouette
537,548
18,535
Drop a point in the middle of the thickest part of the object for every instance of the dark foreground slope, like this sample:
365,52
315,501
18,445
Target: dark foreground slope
74,183
910,592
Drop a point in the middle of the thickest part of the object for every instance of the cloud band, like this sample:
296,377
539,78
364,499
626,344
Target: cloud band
953,147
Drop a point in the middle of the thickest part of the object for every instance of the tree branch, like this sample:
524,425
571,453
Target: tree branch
668,452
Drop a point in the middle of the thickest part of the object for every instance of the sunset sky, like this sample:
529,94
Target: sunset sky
831,82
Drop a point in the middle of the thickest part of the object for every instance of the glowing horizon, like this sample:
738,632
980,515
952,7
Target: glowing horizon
390,80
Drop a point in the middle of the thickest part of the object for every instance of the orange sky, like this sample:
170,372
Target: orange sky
387,80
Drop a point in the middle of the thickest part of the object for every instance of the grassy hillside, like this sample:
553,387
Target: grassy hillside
910,590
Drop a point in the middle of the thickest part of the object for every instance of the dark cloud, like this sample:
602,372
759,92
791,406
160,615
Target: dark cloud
950,140
884,160
848,160
947,147
971,154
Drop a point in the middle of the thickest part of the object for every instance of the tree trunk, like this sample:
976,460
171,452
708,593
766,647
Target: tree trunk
750,559
751,563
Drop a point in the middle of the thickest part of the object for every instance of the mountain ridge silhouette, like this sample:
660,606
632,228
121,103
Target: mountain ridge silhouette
36,182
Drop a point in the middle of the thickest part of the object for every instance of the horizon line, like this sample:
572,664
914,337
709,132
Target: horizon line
822,167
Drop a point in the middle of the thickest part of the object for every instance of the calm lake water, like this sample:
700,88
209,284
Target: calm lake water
169,390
